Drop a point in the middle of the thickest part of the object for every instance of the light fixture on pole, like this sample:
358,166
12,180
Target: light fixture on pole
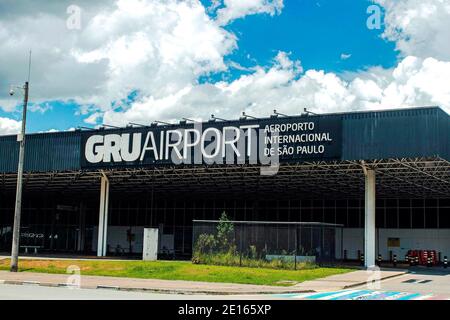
279,114
162,122
213,117
190,120
84,128
18,206
309,112
110,126
245,116
137,124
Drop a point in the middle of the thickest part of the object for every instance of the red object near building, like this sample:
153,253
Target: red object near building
423,256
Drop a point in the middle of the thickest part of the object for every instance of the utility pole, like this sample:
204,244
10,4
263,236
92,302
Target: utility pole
18,207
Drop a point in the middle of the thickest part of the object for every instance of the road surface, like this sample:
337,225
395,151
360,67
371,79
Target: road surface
422,285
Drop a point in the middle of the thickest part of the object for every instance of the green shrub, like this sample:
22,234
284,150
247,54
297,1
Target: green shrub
206,243
232,258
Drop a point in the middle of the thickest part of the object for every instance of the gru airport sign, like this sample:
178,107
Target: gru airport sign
265,141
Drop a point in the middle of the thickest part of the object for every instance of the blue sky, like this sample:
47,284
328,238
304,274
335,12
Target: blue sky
315,32
61,116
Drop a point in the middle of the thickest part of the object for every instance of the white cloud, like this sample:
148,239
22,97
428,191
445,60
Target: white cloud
418,82
419,27
284,85
9,105
235,9
40,107
9,126
93,118
161,47
154,46
345,56
414,82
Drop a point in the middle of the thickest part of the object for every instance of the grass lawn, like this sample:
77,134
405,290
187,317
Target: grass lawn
177,270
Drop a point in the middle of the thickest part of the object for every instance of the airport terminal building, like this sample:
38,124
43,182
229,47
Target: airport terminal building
383,175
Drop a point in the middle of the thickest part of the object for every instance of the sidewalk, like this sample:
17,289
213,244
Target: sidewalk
335,282
347,280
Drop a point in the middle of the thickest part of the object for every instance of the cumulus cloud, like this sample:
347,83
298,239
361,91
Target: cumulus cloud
416,81
153,46
41,108
93,118
283,86
419,27
159,49
9,105
235,9
9,126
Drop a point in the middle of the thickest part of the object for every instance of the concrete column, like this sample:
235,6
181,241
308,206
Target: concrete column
81,228
369,229
103,217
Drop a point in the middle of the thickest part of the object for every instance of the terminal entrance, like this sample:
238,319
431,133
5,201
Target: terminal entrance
61,212
51,223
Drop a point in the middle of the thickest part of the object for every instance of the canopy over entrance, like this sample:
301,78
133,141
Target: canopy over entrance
417,178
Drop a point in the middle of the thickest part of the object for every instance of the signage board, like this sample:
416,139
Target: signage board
264,141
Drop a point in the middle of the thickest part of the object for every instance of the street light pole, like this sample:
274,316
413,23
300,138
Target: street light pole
18,207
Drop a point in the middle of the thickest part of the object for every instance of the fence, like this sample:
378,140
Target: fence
289,245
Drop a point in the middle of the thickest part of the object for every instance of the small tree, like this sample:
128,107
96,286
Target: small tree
225,233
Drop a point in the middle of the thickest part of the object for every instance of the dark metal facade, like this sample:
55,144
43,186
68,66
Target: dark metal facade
409,133
46,152
396,134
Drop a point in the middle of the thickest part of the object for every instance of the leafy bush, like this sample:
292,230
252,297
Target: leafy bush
206,243
234,259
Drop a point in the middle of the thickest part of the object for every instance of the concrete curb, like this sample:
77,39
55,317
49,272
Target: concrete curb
108,287
205,292
382,279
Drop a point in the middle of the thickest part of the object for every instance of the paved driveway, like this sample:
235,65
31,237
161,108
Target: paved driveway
420,281
418,284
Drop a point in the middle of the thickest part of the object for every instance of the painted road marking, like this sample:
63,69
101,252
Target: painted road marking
410,296
410,281
351,296
328,295
425,281
362,295
338,294
425,297
379,295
